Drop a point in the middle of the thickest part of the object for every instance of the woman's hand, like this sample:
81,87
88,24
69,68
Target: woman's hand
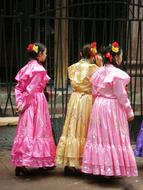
99,60
48,91
130,118
19,108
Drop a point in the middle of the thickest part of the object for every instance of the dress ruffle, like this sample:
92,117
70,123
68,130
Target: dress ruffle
31,69
33,152
70,151
108,150
75,74
111,161
109,77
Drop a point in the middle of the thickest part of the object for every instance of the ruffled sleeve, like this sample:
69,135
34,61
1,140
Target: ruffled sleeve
71,71
92,69
103,76
29,70
117,74
79,71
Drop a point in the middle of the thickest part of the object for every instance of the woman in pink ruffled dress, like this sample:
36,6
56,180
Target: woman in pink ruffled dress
108,151
33,145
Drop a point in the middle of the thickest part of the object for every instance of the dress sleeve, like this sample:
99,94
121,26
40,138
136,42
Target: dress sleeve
92,69
122,96
18,92
23,94
71,71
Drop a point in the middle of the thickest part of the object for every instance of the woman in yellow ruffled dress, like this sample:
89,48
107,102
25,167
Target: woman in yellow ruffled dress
71,143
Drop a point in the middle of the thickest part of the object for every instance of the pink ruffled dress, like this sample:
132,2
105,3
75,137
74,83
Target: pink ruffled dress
108,150
33,145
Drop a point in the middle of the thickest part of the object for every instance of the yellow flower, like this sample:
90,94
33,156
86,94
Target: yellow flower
115,49
35,48
94,50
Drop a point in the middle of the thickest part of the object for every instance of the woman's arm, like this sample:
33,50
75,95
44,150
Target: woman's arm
122,96
23,94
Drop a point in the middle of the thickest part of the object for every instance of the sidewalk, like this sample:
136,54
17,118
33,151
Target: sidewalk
5,121
55,179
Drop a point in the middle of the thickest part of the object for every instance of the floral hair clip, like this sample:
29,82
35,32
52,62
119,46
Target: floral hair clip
115,47
109,56
32,47
93,49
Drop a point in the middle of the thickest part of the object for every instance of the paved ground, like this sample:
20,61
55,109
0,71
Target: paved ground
55,179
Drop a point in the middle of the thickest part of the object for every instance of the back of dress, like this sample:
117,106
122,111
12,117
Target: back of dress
72,140
107,150
80,74
105,79
110,83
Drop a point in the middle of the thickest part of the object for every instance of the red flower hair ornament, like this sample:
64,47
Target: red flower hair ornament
115,47
109,56
93,49
32,47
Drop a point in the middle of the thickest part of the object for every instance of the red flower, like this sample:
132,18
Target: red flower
93,45
115,44
108,55
30,47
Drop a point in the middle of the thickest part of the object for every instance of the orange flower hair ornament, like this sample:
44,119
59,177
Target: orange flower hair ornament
109,56
32,47
115,47
93,49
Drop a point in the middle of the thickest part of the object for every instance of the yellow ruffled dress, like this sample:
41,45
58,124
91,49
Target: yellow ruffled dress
71,143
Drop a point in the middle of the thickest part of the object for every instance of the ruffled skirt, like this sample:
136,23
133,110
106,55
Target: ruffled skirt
108,150
71,143
33,145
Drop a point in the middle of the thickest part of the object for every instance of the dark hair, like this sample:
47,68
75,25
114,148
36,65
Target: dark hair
109,50
33,54
86,51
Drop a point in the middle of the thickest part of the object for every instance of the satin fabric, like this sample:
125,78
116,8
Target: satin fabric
33,145
71,143
139,143
108,150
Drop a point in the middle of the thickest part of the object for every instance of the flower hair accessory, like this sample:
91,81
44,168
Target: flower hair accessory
109,56
32,47
115,47
93,49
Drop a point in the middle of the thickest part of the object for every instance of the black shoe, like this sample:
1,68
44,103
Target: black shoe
21,171
68,171
47,168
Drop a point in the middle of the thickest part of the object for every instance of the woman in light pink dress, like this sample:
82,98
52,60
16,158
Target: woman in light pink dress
33,145
108,151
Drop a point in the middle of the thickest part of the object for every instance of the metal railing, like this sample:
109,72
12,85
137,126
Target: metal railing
65,26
